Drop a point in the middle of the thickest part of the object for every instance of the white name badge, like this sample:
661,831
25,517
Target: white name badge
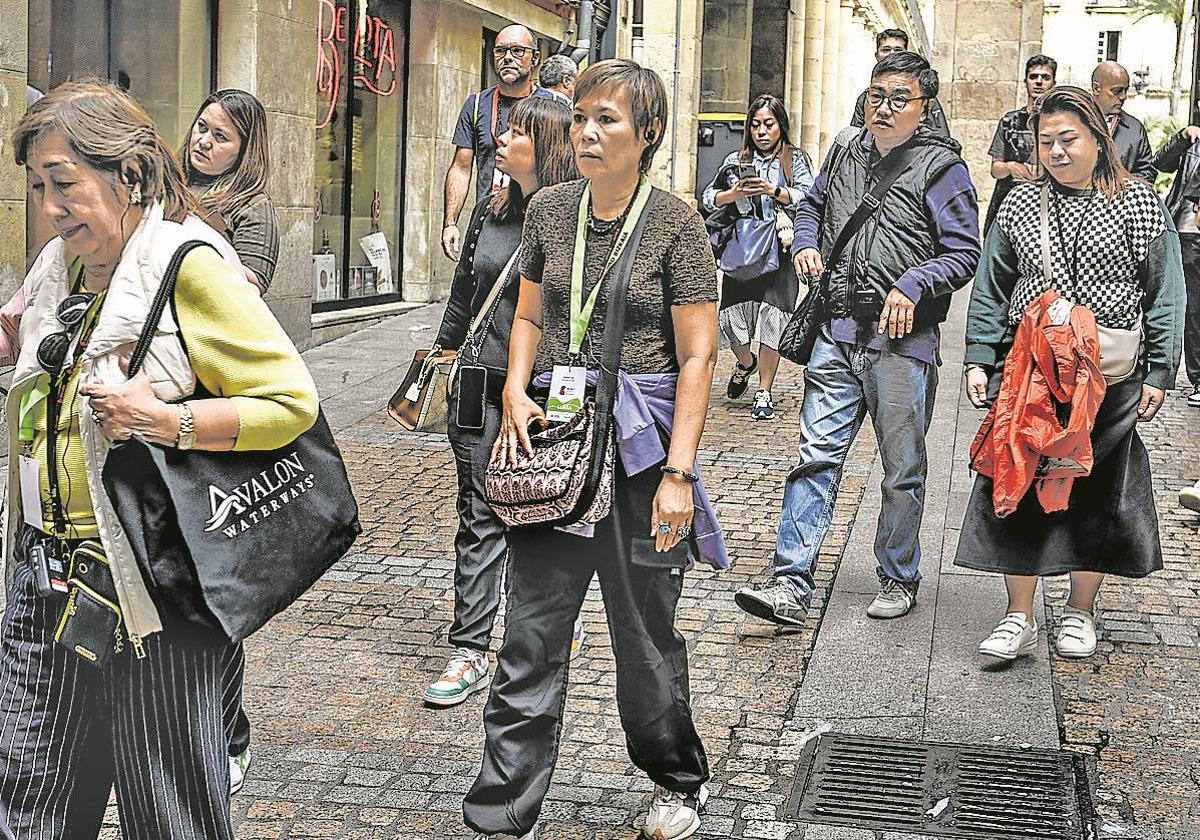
568,387
31,492
499,180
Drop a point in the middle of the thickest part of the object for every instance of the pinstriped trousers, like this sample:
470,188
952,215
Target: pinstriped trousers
69,731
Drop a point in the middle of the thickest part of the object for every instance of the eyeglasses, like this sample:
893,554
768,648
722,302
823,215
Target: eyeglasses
896,102
516,52
52,352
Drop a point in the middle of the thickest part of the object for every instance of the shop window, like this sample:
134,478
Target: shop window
358,198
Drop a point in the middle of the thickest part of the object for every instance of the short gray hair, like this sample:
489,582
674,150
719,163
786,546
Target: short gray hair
557,69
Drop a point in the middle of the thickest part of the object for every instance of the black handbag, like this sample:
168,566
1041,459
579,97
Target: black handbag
226,540
800,334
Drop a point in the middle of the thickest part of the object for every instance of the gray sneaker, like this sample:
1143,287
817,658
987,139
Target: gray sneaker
776,601
895,598
532,835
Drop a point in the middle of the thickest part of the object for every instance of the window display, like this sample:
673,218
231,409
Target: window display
358,197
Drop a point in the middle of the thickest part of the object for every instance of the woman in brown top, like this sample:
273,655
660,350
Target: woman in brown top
661,519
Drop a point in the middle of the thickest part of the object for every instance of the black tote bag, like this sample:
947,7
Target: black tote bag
226,540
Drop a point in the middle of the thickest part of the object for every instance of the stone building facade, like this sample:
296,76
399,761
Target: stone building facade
363,95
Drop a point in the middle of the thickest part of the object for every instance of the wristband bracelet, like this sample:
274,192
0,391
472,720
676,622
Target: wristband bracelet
689,477
450,225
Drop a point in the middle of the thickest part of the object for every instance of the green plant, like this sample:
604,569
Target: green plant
1179,12
1160,130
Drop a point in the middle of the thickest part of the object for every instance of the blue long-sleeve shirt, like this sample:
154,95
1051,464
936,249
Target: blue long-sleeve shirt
950,200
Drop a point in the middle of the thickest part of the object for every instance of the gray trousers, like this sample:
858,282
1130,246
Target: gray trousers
69,729
548,578
480,545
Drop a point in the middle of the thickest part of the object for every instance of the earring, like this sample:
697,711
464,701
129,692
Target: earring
135,195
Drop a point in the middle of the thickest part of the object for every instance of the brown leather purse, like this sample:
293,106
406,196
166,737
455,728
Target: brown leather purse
420,404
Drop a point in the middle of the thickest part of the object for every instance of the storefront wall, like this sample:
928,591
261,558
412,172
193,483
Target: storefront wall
13,57
445,67
267,47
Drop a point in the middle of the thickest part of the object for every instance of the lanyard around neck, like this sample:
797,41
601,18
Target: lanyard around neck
581,311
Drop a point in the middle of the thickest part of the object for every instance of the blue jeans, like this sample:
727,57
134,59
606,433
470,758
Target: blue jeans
843,383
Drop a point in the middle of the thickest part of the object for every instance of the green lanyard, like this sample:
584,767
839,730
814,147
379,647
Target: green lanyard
581,312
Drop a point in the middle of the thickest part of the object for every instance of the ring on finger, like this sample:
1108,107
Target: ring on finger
684,531
664,528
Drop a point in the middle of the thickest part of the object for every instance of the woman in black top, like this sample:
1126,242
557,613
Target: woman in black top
534,152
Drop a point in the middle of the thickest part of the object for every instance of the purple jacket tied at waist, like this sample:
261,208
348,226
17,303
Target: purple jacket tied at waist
644,402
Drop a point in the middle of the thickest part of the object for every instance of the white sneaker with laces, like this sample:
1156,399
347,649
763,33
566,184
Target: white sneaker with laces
1076,634
1014,636
466,672
1189,497
674,815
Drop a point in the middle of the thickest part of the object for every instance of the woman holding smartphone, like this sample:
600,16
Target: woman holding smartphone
767,175
534,152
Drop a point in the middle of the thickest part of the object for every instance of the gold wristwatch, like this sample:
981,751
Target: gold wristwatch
187,428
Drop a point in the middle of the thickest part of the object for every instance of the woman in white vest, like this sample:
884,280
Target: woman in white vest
144,715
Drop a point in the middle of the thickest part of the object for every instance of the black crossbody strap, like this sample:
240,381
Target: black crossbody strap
161,300
610,364
870,203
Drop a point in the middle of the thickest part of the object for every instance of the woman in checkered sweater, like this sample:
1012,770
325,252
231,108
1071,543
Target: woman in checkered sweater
1114,249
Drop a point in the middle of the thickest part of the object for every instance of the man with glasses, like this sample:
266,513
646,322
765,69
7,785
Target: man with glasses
1012,146
1110,88
483,118
892,41
887,291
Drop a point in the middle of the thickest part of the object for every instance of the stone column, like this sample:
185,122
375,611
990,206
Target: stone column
847,75
979,54
13,57
829,73
272,54
675,164
814,61
795,74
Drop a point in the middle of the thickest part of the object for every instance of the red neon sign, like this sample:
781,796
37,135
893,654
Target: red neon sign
374,54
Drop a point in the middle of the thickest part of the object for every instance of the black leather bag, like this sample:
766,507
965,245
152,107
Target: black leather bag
226,540
800,334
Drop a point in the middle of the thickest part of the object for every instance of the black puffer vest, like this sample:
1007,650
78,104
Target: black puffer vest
897,236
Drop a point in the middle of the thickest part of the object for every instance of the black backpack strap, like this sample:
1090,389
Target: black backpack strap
165,293
610,364
870,203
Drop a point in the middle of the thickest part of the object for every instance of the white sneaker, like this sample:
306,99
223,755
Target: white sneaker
1014,636
895,599
466,672
1076,634
238,765
674,815
1189,497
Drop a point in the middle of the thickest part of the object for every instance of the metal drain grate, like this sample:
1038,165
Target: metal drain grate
947,790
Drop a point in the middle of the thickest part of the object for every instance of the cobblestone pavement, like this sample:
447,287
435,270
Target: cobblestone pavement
1135,704
345,748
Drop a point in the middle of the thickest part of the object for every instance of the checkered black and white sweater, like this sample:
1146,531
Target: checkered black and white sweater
1120,259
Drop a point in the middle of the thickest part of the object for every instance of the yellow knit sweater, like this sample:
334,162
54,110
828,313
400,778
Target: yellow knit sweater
237,350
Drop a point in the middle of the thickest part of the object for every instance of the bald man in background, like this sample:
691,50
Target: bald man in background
1110,87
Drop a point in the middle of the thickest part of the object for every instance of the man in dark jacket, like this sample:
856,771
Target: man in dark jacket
878,355
892,41
1181,155
1110,88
